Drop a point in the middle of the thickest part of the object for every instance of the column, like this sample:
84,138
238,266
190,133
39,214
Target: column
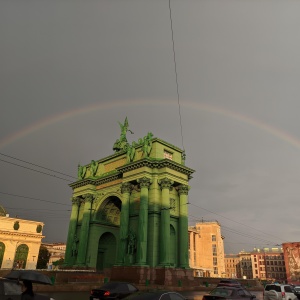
165,185
124,222
84,232
183,227
141,254
72,230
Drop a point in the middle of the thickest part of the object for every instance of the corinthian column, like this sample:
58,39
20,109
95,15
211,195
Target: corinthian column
141,255
124,220
72,230
183,226
165,185
84,232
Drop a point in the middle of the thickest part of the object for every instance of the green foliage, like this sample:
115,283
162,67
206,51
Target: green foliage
43,259
58,262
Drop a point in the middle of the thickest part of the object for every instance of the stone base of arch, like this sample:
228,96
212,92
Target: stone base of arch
152,276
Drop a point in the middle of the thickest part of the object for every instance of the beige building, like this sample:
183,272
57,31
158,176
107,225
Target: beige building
268,264
231,265
206,249
245,266
57,251
20,242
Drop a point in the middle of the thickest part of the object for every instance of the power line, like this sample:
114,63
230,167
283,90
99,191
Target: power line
37,165
241,233
31,198
176,75
8,162
236,221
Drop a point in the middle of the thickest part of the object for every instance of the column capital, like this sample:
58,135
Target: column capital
183,189
126,187
88,197
165,183
76,201
144,182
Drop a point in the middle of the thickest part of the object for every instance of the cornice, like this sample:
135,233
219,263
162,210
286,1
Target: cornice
31,235
145,162
96,181
156,164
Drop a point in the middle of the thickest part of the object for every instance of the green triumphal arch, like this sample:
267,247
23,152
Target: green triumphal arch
130,209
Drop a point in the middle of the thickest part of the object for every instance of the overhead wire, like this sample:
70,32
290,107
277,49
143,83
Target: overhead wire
41,172
27,162
235,221
176,74
242,233
31,198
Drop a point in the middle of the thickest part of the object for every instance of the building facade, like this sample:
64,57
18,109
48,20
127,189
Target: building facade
20,242
130,208
232,262
206,249
57,251
268,264
244,268
291,252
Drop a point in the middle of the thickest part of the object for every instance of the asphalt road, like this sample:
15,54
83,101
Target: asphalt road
85,295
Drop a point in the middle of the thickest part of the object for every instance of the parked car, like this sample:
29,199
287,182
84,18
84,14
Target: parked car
229,282
275,291
113,290
297,291
156,295
229,292
12,290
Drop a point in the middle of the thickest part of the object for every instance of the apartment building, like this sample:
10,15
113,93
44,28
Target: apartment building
244,269
206,249
268,264
231,265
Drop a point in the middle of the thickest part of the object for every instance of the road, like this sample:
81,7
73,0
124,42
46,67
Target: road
85,295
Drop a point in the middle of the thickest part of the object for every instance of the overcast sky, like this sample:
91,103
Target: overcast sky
70,70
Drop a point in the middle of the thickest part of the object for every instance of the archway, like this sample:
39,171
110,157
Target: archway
109,211
21,256
2,250
106,257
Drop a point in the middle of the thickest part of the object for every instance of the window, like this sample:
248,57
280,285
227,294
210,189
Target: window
215,261
215,270
168,155
213,238
214,250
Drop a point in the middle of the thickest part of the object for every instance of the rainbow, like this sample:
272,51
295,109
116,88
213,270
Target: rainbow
276,132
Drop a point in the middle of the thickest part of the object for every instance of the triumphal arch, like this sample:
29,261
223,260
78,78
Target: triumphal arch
130,209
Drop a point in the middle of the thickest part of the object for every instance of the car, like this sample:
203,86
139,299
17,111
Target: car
113,290
229,282
12,290
297,291
156,295
275,291
229,292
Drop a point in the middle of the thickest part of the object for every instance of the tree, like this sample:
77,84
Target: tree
43,259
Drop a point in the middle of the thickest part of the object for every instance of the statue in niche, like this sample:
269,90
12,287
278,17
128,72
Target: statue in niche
147,144
81,171
94,167
131,242
74,245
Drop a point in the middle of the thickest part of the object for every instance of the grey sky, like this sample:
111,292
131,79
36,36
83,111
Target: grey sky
238,69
